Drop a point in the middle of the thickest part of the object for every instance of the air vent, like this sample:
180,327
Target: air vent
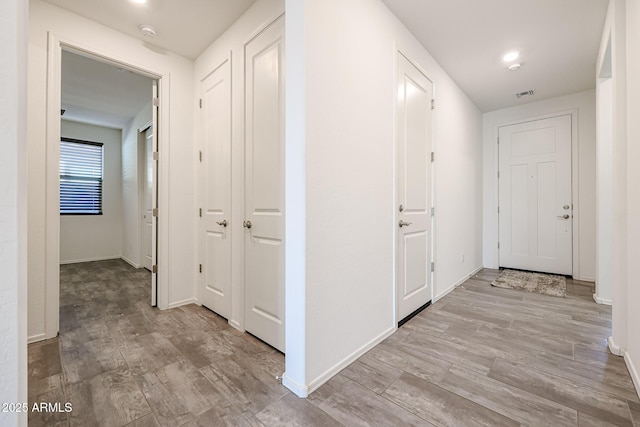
525,93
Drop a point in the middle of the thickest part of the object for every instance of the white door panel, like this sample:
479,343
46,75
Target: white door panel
535,196
147,259
414,183
264,193
215,192
155,148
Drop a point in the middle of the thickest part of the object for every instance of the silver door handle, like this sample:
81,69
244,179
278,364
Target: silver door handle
565,216
223,223
403,223
247,224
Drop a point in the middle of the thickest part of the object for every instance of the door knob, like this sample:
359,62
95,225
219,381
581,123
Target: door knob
565,216
223,223
403,223
247,224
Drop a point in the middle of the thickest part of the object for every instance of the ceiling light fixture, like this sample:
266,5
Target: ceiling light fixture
514,67
511,56
148,30
139,1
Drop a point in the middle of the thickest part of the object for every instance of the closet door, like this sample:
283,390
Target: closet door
215,192
264,193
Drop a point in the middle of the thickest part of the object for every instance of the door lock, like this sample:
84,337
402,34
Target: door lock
247,224
223,223
403,223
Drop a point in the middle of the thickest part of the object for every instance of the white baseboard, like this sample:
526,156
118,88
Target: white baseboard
633,372
235,324
613,348
131,263
602,301
304,391
585,279
77,261
36,338
183,302
442,294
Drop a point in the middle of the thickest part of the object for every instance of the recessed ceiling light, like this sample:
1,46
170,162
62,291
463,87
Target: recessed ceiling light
148,30
514,67
511,56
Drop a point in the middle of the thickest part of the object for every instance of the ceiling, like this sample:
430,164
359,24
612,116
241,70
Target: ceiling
185,27
558,39
101,94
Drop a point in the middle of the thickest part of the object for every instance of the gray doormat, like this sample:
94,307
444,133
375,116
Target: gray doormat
548,284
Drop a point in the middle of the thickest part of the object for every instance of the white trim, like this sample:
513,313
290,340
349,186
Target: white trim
91,259
603,301
633,372
335,369
131,263
613,348
298,389
575,188
236,325
183,302
36,338
455,285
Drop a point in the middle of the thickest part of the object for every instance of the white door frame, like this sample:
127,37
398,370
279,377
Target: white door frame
399,50
55,45
141,193
574,183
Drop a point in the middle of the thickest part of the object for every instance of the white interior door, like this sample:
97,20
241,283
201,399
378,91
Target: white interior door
264,197
154,196
215,192
147,224
413,128
535,208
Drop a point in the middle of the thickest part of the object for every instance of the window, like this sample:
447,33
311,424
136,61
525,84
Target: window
80,177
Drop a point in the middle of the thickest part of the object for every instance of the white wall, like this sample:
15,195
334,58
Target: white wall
632,355
131,186
231,46
13,227
96,237
177,203
584,200
347,106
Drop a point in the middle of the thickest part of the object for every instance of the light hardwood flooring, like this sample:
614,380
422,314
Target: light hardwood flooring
481,356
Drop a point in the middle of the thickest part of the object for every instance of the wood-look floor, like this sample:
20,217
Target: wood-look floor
481,356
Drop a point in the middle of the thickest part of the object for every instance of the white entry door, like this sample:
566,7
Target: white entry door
413,127
215,192
147,257
264,197
535,207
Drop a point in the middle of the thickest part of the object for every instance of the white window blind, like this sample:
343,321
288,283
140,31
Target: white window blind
80,177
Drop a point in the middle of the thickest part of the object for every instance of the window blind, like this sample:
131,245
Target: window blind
80,177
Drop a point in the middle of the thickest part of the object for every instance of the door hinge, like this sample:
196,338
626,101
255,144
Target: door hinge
200,212
200,102
498,245
433,104
156,102
433,156
200,268
432,267
154,212
433,211
154,269
200,155
156,155
498,174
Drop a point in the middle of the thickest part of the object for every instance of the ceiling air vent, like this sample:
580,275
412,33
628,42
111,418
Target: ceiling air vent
525,93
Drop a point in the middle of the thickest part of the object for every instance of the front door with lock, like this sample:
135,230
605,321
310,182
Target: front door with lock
535,211
264,193
413,125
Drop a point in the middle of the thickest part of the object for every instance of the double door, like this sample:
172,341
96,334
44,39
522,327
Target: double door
261,231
